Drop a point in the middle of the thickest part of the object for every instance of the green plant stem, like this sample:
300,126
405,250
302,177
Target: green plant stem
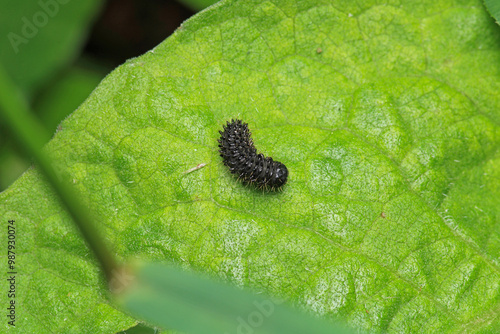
31,136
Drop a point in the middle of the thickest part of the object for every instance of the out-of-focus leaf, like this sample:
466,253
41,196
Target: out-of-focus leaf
59,100
144,329
39,37
11,167
198,5
494,8
65,95
172,298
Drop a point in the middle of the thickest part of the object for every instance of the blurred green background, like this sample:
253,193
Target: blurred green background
57,52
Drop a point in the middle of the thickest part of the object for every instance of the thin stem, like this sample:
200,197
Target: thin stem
30,136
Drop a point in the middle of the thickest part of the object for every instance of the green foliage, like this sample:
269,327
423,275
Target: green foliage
387,117
40,38
493,7
50,29
66,94
30,136
198,5
169,297
63,96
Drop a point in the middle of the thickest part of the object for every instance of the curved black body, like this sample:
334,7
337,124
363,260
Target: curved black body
239,154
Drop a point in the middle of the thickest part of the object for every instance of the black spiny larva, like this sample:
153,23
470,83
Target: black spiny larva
239,154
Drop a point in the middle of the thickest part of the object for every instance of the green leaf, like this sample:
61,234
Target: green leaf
169,297
143,329
52,106
39,37
493,7
30,136
387,117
